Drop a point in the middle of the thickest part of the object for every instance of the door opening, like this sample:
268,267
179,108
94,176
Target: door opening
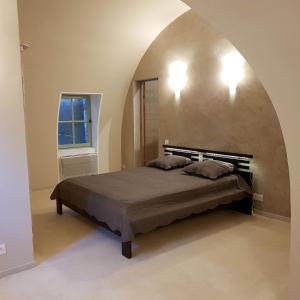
149,119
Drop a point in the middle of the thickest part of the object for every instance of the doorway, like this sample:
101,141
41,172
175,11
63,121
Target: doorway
149,119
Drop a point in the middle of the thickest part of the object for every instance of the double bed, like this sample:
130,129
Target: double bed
143,199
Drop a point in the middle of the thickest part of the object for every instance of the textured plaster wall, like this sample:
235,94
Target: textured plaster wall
205,116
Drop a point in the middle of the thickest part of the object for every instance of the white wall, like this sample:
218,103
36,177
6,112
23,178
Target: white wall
83,47
15,219
267,33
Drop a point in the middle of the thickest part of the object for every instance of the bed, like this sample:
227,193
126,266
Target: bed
143,199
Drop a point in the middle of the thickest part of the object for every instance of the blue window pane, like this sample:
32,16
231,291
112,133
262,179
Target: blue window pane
81,109
81,133
65,110
65,134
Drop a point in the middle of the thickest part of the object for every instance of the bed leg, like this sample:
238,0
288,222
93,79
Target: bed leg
126,249
244,206
59,208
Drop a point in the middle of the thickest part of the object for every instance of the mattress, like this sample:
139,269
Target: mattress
142,199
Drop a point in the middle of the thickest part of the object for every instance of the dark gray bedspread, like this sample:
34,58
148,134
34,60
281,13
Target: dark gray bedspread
142,199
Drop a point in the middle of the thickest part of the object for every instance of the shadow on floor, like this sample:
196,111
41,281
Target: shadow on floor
54,233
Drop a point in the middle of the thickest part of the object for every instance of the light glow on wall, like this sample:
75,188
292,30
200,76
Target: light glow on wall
233,70
177,77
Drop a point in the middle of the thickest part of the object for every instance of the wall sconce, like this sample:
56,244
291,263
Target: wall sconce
177,77
233,70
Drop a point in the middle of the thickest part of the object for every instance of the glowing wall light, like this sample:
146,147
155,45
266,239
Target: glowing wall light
177,77
233,70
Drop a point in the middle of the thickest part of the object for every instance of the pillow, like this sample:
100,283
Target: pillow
169,162
230,166
212,169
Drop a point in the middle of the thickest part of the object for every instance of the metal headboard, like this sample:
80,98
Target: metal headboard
241,162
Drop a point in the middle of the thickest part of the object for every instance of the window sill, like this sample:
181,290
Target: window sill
76,151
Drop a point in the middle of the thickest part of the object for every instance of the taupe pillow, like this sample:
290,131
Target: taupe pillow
169,162
212,169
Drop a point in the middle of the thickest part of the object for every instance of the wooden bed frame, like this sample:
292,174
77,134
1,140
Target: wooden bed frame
241,162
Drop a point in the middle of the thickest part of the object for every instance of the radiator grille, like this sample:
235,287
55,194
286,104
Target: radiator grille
80,165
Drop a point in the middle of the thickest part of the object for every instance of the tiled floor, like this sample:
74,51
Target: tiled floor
219,255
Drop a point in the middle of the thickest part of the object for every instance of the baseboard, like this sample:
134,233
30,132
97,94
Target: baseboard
270,215
17,269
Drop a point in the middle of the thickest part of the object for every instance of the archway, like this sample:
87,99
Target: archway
266,34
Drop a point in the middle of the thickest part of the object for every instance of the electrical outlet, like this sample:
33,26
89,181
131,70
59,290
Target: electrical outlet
2,249
258,197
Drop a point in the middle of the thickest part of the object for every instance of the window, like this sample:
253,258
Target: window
74,123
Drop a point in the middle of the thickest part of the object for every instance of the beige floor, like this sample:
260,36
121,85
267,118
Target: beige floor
220,255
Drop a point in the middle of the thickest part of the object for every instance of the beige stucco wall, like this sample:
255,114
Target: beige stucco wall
15,219
205,116
83,46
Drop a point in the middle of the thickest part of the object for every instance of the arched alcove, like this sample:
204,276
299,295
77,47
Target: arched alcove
206,115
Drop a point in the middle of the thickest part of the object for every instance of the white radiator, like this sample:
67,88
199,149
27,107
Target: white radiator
78,165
